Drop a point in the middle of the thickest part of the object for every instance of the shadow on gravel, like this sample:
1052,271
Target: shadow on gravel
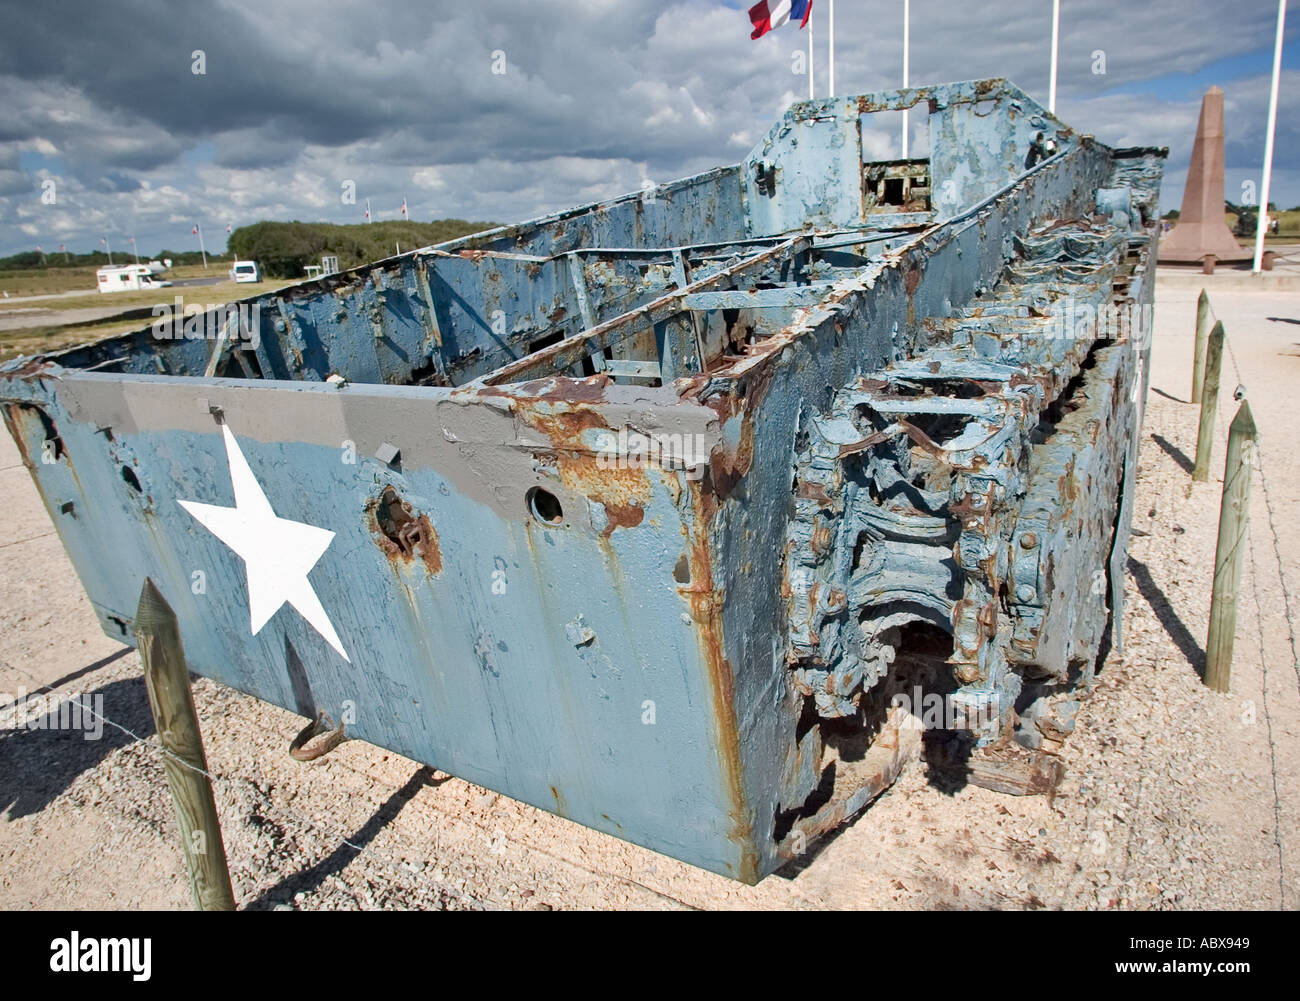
38,764
1174,452
1160,392
311,878
79,673
1179,633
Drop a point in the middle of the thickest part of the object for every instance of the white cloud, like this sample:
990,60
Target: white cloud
428,177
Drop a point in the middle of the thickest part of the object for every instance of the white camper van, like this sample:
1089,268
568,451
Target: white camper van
245,271
128,278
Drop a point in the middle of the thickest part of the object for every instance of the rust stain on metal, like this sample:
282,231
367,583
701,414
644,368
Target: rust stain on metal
621,488
706,600
402,534
622,516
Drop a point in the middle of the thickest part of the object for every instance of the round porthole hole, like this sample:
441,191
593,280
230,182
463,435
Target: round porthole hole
545,507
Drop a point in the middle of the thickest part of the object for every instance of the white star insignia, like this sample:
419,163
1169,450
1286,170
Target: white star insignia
277,553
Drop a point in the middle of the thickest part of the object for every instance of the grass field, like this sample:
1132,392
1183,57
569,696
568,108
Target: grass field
59,281
45,339
50,281
47,334
44,281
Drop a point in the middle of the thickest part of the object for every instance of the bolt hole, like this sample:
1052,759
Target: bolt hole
128,474
545,506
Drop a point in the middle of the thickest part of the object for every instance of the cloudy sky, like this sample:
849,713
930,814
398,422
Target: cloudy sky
399,98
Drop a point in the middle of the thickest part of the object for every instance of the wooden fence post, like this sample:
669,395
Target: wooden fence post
1234,519
1209,403
1202,334
168,681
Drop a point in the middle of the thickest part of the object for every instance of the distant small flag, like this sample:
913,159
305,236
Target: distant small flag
133,239
227,227
195,230
62,247
768,14
103,241
403,206
38,249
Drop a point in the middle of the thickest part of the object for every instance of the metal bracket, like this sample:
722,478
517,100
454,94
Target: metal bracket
298,749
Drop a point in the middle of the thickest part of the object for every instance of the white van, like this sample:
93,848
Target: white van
245,271
128,278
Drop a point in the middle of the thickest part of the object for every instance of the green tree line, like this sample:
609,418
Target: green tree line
284,249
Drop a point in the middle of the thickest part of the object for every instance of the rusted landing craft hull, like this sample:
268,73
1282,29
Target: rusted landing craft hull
643,512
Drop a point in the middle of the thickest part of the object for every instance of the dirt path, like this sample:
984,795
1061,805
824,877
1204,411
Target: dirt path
1174,797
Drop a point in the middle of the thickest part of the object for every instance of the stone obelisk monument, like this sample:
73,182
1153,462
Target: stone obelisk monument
1201,230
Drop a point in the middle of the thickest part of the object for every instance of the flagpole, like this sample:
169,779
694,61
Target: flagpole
1056,38
134,250
199,227
811,92
1261,217
830,63
109,247
907,47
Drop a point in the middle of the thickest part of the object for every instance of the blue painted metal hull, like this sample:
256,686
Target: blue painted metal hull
600,485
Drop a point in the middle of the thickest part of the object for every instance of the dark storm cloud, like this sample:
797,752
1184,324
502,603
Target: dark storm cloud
334,74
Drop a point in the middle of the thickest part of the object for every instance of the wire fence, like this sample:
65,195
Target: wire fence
1258,463
1272,521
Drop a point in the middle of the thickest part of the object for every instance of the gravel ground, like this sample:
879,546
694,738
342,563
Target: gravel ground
1174,797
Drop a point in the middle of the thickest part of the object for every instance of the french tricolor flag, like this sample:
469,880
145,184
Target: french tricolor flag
769,14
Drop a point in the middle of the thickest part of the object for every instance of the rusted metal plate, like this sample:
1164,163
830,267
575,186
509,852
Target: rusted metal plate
643,512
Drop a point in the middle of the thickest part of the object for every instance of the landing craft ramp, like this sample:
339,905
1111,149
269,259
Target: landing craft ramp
642,512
